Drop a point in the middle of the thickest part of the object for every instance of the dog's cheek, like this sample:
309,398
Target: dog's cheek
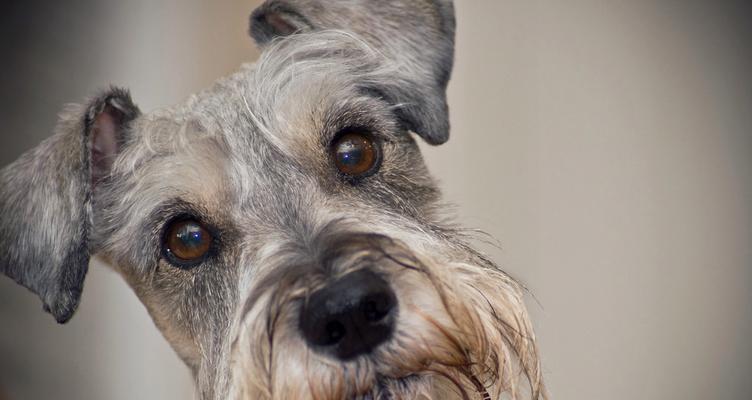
193,308
403,184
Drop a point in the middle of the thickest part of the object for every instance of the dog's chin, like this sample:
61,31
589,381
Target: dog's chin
395,388
413,386
421,386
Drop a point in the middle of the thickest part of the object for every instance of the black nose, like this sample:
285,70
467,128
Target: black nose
350,316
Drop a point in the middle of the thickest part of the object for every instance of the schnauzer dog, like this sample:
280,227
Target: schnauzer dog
281,226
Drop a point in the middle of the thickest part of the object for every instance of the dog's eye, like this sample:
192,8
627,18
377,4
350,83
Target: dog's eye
355,154
187,242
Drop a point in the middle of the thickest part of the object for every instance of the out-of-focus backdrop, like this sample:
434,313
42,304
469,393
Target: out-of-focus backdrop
607,146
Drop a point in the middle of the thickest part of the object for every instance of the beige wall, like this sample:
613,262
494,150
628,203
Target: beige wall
606,145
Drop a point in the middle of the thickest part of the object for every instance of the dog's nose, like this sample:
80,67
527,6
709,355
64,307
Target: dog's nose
350,316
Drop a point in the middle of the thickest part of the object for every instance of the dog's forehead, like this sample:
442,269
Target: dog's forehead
296,87
291,100
258,135
276,116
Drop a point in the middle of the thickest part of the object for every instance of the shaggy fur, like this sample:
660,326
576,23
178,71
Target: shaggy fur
250,158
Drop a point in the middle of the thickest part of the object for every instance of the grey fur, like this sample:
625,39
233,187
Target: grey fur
416,35
45,204
250,158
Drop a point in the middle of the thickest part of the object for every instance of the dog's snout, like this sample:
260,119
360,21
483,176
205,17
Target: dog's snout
351,316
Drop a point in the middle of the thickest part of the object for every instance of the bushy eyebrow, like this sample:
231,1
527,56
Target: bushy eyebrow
363,113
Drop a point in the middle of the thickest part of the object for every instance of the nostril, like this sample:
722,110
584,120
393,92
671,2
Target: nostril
350,316
335,331
375,308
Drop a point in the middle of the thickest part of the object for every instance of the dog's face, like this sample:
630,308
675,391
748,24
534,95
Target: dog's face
281,227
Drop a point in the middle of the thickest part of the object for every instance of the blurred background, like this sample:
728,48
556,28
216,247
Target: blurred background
607,145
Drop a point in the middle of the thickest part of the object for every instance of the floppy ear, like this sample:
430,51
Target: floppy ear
45,201
418,35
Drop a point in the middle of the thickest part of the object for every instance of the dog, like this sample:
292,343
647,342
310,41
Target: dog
281,227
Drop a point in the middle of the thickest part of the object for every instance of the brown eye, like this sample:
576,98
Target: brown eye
187,242
355,154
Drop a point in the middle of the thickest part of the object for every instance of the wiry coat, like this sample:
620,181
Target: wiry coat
251,158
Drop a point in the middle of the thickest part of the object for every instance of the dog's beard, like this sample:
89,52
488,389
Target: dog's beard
462,333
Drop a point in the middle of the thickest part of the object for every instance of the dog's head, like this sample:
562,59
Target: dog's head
281,227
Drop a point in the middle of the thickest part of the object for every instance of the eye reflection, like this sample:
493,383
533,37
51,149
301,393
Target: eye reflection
187,241
355,154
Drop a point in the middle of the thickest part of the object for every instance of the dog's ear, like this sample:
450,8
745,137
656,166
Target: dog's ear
46,201
416,35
